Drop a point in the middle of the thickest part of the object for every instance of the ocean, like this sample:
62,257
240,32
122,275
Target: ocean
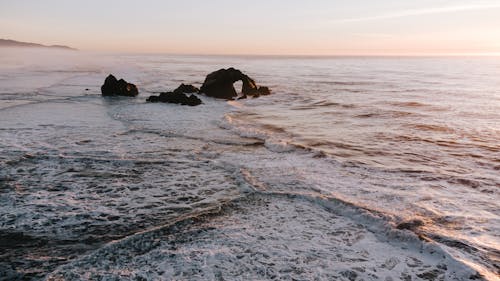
355,168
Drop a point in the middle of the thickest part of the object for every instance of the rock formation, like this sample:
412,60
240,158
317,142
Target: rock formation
114,87
219,84
187,89
178,96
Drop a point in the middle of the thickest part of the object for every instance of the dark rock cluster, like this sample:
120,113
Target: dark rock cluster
218,84
178,96
114,87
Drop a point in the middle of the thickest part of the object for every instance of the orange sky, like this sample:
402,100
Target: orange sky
277,27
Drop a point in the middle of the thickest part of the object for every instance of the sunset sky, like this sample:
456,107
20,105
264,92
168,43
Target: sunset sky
283,27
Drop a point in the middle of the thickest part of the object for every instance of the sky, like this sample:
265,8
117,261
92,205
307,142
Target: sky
259,27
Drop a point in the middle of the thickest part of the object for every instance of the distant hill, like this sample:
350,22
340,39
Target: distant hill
13,43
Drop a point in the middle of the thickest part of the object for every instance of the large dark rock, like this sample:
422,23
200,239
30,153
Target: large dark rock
219,84
176,97
114,87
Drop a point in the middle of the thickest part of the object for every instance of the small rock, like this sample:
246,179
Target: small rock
410,225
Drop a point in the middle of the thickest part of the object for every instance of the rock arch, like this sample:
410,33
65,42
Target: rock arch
219,84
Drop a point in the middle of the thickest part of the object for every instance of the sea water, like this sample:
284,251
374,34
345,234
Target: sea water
378,168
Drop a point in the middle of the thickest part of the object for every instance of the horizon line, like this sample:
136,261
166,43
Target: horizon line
415,54
374,54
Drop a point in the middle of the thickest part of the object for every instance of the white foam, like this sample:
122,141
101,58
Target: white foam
265,237
77,166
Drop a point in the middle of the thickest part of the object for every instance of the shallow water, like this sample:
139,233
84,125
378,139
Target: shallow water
368,168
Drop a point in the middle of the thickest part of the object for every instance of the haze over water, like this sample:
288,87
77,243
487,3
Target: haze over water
355,167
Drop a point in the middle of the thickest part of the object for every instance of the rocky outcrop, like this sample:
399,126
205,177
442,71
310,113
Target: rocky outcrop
114,87
178,96
219,84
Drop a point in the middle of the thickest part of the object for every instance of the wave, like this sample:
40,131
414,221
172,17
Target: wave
165,245
410,104
433,128
388,114
346,83
280,141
